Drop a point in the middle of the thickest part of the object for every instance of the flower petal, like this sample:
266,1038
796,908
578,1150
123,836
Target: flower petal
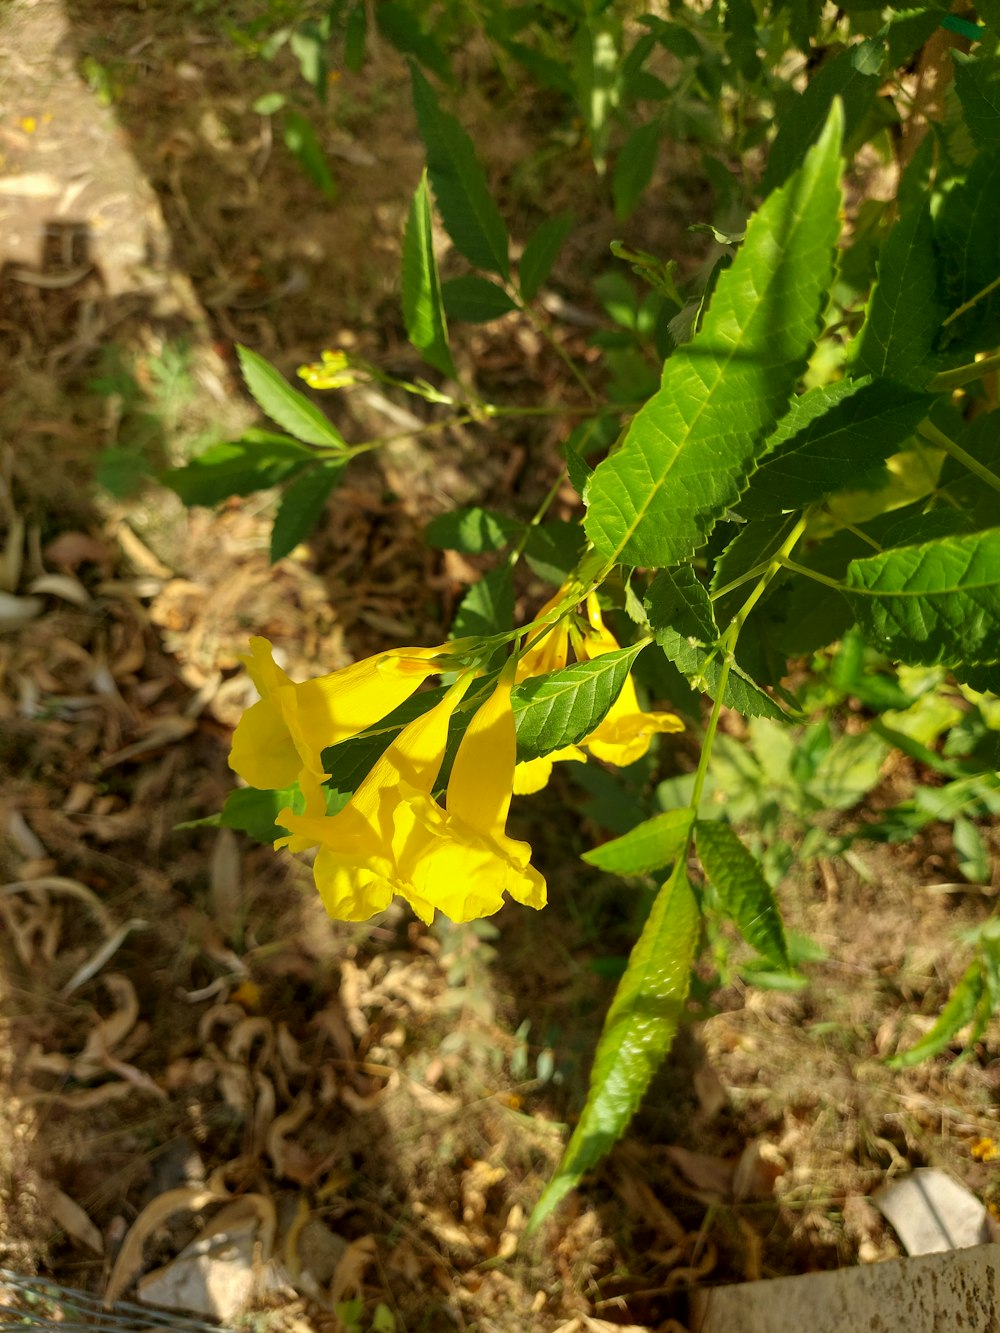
482,776
532,775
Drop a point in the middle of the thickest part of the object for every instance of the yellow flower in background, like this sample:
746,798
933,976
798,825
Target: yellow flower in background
394,838
281,738
332,371
626,733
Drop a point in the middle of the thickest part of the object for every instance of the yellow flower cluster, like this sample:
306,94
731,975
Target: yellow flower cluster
393,837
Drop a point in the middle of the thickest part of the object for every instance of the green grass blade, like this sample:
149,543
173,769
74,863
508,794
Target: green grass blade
938,603
637,1035
470,216
423,307
688,453
290,409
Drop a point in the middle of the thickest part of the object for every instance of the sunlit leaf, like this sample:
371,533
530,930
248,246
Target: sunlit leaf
744,893
688,453
638,1033
423,307
285,405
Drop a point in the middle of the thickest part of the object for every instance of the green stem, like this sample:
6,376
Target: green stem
973,300
810,573
729,641
543,328
930,432
954,379
536,518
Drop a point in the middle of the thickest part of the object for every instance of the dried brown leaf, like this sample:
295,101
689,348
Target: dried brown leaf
129,1260
68,1214
348,1277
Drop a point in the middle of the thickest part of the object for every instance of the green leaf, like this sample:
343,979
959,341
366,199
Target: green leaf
564,706
470,216
488,606
977,82
960,1010
352,760
400,26
651,845
638,1033
827,438
301,142
930,604
355,35
289,408
254,812
472,531
853,77
967,237
744,893
688,452
423,306
301,506
634,168
309,45
596,66
754,544
237,467
475,300
553,549
541,253
904,313
268,104
680,614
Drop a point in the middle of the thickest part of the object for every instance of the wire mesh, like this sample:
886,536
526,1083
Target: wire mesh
39,1302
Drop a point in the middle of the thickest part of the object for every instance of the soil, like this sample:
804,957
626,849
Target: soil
180,1014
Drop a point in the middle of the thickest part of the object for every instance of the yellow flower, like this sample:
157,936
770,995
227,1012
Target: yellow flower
333,371
281,738
393,838
626,732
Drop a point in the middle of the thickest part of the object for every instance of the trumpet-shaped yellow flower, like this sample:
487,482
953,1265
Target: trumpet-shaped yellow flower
626,733
393,837
281,738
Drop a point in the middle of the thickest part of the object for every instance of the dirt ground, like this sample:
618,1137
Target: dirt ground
371,1110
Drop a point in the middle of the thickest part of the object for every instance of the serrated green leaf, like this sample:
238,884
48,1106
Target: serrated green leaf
681,617
687,454
237,467
853,77
541,253
301,506
475,300
904,314
488,606
652,845
744,893
638,1033
472,531
754,544
553,549
977,82
827,438
423,305
634,168
470,216
959,1010
967,237
930,604
350,761
301,141
563,707
289,408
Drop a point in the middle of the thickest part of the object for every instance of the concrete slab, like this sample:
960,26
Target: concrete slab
932,1293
